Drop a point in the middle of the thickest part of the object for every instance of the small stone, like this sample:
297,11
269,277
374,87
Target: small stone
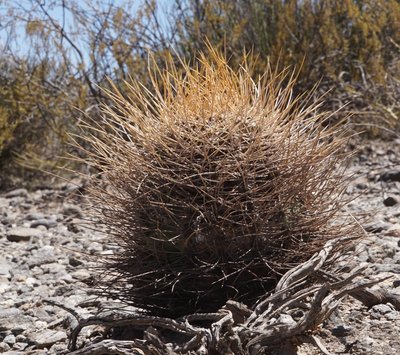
393,268
39,324
44,222
107,252
34,216
47,337
19,234
9,313
41,228
17,193
396,283
391,175
13,319
67,278
56,323
53,268
74,261
383,310
24,289
9,339
361,186
59,348
362,158
286,319
26,205
75,225
42,315
71,210
20,346
37,271
39,261
390,201
363,345
70,187
20,338
4,284
95,248
377,227
392,316
4,203
4,268
341,330
366,342
32,282
17,277
80,275
46,250
4,347
6,221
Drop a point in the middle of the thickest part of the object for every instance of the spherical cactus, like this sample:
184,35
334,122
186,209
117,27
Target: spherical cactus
216,185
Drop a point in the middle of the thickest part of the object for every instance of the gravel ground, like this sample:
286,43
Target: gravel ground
46,253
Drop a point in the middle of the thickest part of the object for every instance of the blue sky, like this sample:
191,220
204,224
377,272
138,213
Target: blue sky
22,46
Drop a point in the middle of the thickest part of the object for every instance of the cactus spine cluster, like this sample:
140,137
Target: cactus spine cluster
216,184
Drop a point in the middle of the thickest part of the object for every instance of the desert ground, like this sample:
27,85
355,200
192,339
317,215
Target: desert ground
49,252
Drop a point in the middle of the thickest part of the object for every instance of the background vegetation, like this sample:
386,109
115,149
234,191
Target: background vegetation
56,54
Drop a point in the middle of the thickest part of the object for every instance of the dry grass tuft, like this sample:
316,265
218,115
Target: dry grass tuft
216,185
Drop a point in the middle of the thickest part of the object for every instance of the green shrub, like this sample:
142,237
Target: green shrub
36,111
351,46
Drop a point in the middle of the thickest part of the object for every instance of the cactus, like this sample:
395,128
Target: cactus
216,184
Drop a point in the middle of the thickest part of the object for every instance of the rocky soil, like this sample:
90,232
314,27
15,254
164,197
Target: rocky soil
46,252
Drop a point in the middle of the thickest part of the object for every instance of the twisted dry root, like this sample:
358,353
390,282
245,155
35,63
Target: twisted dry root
296,308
